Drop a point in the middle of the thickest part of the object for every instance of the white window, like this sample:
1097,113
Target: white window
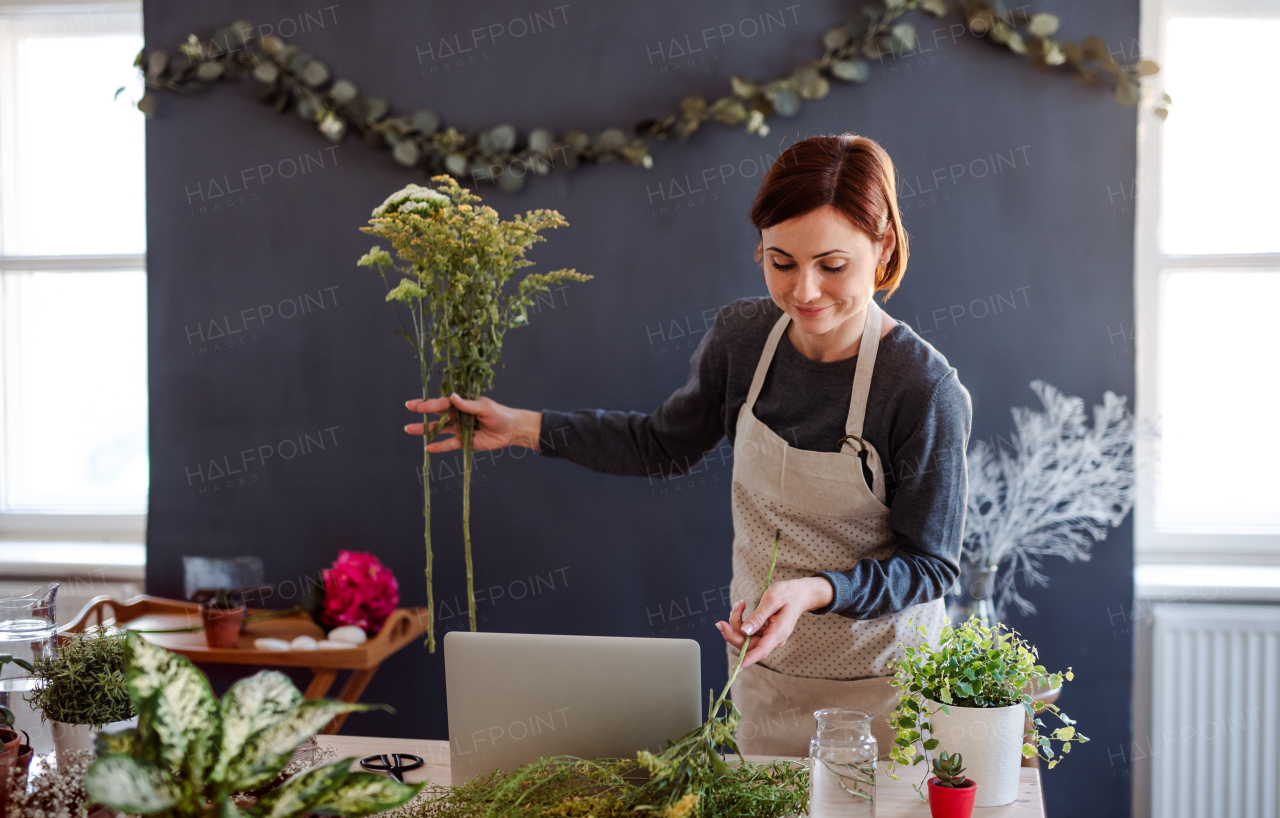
1208,284
73,323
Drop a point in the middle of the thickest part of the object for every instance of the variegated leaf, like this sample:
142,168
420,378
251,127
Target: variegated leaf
251,705
228,809
267,751
130,785
174,701
366,793
303,791
119,742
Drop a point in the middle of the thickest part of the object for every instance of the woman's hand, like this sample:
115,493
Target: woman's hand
776,616
498,426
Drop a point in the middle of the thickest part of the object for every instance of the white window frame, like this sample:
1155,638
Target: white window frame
1151,545
127,528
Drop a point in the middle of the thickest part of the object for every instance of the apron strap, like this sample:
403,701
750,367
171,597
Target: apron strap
862,373
766,357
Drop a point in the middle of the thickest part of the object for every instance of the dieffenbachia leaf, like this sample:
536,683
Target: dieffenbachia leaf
251,705
130,785
303,791
366,793
117,742
269,750
174,701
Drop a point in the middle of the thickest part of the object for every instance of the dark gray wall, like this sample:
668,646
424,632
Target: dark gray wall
1048,233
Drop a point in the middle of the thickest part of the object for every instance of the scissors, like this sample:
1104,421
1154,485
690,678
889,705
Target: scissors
396,768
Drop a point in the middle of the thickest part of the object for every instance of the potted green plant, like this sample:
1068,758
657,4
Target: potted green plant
191,754
81,689
971,695
951,792
222,614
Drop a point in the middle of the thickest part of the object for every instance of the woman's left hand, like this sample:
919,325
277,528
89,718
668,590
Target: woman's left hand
775,617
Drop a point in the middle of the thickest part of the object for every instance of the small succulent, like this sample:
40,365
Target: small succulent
222,599
949,772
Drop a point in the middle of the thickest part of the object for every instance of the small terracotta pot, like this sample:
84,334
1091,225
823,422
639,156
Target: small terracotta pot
12,740
950,802
12,756
221,625
25,754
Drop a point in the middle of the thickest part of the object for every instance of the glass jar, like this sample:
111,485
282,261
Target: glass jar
842,764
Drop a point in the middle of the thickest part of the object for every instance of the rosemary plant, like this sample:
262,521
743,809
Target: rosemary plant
455,258
688,779
84,683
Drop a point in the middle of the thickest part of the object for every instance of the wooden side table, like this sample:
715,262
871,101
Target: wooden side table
402,627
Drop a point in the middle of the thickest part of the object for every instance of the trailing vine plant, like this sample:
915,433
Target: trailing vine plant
455,259
973,666
286,76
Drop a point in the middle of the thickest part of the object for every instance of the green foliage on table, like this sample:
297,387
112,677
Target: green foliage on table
285,75
949,771
688,778
973,666
191,754
83,683
455,259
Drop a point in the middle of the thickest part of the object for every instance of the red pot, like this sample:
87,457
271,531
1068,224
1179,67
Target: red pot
949,802
221,626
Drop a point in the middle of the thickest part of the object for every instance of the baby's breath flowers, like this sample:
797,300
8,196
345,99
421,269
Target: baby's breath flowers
51,792
454,259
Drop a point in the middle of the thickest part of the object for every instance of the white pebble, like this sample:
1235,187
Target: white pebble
329,644
303,643
348,633
271,644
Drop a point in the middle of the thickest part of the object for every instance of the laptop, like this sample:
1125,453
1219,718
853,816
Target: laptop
515,697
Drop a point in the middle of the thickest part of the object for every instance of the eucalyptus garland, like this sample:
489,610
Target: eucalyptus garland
286,76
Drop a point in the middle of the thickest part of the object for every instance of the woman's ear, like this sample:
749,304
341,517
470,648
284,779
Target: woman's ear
887,246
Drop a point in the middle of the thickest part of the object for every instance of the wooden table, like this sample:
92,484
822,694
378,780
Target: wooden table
894,799
401,628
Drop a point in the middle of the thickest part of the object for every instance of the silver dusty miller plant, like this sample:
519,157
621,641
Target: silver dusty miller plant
1058,489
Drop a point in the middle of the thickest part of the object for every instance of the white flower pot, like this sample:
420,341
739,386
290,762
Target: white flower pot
67,737
990,741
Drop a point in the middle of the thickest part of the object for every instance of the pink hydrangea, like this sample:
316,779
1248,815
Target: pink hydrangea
360,591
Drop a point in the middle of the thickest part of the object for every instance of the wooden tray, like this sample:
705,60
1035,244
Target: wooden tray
154,613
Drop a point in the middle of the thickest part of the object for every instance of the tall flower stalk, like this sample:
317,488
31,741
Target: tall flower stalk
454,259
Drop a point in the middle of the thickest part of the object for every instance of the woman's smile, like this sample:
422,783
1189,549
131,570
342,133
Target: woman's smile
811,312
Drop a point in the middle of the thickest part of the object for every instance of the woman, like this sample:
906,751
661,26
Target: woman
849,433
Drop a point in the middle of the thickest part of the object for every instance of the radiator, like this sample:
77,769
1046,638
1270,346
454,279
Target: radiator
1215,737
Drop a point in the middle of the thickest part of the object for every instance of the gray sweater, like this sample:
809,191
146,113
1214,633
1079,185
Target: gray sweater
918,418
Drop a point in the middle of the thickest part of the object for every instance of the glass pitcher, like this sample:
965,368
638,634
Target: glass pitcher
28,631
842,764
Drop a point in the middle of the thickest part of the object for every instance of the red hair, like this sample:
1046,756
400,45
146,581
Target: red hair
851,173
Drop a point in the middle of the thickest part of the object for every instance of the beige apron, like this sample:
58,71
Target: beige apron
830,519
